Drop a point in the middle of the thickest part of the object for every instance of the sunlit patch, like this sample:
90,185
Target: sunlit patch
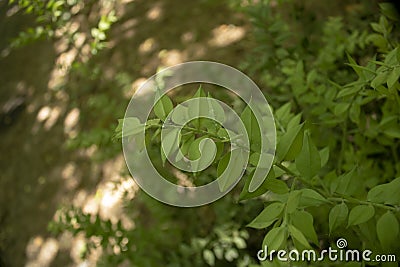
135,85
12,11
110,193
71,176
196,50
33,247
155,12
126,30
129,24
225,35
47,117
53,118
79,39
78,249
63,64
147,46
71,121
61,45
187,37
91,205
40,252
182,178
172,57
5,52
76,8
43,114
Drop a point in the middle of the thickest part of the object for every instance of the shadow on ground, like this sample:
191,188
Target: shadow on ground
57,119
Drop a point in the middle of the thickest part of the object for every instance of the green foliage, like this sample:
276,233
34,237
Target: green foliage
338,216
55,16
352,112
336,171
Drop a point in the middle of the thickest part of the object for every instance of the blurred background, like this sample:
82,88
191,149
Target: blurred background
68,69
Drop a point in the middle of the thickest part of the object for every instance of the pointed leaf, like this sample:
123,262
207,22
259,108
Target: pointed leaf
270,214
290,143
298,235
360,214
304,221
163,106
293,201
227,176
324,154
310,197
338,216
274,238
250,123
308,162
387,229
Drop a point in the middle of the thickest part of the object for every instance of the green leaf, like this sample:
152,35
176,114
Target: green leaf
387,229
360,214
337,216
290,143
386,193
277,186
163,106
231,254
265,163
293,201
202,153
127,127
308,162
219,252
194,152
357,68
296,80
187,140
324,154
350,91
304,221
163,157
282,114
180,115
393,132
393,77
310,197
274,238
298,235
253,130
391,57
170,141
389,11
379,79
376,27
354,113
270,214
153,122
209,257
378,40
265,186
294,121
341,108
216,110
344,184
227,176
199,108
